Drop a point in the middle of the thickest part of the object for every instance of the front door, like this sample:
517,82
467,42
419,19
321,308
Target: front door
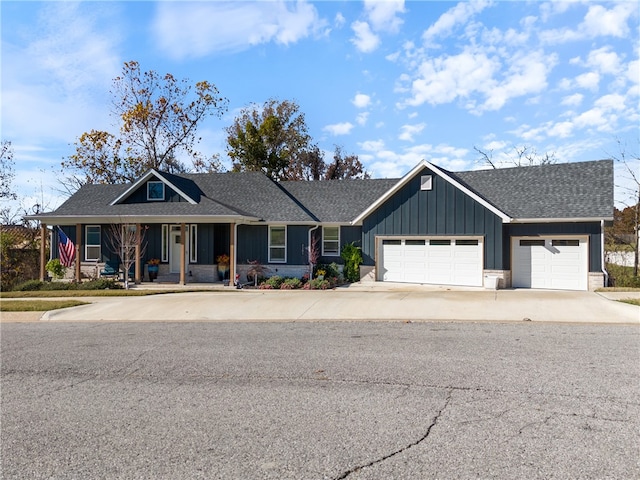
174,251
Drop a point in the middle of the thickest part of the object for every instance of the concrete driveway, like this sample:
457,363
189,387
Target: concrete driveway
381,302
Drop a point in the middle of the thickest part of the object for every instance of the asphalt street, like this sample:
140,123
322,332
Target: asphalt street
319,400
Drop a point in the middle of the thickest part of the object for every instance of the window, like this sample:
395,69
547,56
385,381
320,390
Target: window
278,244
165,243
331,241
426,182
565,243
466,242
415,243
155,191
391,242
92,249
193,243
532,243
440,242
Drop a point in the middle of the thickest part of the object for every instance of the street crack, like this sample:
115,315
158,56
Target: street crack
437,416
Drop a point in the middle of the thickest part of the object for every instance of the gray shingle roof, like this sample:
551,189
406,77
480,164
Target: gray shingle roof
569,190
564,190
338,200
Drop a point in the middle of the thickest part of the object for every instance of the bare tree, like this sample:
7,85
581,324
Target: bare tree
630,163
7,174
522,156
127,240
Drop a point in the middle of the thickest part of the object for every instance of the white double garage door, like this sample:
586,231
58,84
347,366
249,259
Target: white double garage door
537,262
441,261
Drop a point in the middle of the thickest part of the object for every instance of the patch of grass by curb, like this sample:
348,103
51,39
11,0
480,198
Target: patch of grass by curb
90,293
37,305
632,301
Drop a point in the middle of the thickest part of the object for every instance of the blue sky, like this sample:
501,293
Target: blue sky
393,82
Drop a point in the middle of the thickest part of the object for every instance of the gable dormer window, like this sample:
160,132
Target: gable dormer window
155,191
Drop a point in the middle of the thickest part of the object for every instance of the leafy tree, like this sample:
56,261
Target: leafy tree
347,166
269,139
158,116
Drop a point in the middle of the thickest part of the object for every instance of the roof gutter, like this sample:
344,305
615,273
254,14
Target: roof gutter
559,220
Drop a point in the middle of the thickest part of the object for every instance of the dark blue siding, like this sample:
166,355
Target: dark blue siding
443,210
140,195
253,243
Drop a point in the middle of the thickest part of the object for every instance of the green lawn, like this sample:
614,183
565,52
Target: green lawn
37,305
88,293
632,301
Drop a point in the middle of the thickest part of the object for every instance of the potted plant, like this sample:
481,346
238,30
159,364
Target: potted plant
153,266
320,274
223,265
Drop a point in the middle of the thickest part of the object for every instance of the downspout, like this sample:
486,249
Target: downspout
604,269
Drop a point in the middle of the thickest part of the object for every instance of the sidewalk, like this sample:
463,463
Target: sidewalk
360,302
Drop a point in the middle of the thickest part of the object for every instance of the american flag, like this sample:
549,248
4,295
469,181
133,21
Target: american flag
66,249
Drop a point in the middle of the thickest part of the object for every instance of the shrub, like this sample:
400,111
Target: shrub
317,284
29,286
291,284
352,257
100,284
274,282
620,276
55,267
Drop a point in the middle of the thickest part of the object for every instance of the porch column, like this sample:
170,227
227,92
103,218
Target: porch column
43,249
78,249
137,271
232,253
183,245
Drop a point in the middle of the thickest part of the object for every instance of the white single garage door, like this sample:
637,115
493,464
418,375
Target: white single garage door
440,261
557,263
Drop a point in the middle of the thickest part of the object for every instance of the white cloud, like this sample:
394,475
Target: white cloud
527,74
443,79
602,22
408,131
572,100
339,128
598,22
448,21
198,29
604,60
372,145
361,100
560,129
382,15
589,80
339,20
365,40
361,118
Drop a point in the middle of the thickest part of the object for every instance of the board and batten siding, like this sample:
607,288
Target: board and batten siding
140,195
443,210
253,244
590,229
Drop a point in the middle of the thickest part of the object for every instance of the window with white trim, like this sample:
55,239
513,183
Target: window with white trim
277,244
155,190
93,237
426,182
330,241
193,243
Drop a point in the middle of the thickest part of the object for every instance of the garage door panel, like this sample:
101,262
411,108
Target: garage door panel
547,262
435,261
